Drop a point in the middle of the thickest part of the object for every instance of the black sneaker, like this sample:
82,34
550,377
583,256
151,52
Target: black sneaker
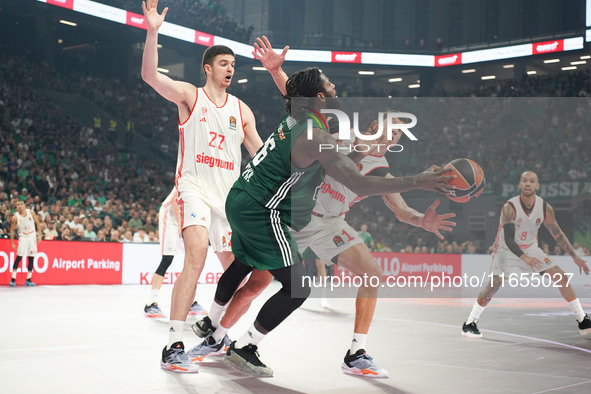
361,364
246,360
471,330
203,327
29,282
153,310
585,325
176,360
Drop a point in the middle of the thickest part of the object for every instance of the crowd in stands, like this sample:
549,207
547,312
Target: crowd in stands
70,172
207,16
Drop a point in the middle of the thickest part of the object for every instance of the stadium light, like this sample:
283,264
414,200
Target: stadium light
365,72
65,22
468,71
532,72
394,79
258,68
414,86
243,80
551,61
585,57
569,68
163,70
487,77
508,65
578,62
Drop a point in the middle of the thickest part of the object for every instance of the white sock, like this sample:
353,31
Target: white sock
29,275
175,332
14,275
252,336
153,296
476,312
215,313
219,333
577,309
358,342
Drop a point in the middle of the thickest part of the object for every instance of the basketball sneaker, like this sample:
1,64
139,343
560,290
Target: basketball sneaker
246,360
585,325
12,282
207,347
471,330
202,327
361,364
28,282
175,359
153,310
197,309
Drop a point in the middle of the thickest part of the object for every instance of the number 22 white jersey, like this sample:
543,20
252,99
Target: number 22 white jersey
209,153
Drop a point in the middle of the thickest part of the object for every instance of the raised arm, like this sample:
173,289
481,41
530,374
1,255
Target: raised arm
272,61
561,239
252,140
341,168
180,93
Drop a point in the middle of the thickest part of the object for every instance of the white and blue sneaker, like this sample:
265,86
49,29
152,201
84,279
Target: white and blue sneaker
208,347
197,309
175,359
153,310
361,364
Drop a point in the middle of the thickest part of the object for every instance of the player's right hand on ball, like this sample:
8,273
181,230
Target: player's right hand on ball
434,180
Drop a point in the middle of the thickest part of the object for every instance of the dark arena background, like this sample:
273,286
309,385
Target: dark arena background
91,149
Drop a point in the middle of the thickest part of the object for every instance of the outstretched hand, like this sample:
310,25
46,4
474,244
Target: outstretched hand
153,19
270,59
583,267
434,223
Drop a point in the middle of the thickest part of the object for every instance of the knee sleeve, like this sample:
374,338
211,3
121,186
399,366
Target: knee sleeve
15,265
230,280
30,265
164,264
290,297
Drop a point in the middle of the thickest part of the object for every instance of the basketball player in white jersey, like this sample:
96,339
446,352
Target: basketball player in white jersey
333,240
516,248
24,221
169,232
212,126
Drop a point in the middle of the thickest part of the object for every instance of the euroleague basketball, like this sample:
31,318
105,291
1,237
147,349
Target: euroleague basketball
469,180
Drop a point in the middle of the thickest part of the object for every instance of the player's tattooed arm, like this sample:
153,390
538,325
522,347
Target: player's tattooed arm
556,232
561,239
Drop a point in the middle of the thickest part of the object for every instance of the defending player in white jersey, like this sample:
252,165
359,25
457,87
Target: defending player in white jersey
332,239
24,221
516,248
212,126
169,232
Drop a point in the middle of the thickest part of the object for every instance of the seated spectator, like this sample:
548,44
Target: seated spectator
141,236
89,234
50,233
66,234
100,236
127,236
115,237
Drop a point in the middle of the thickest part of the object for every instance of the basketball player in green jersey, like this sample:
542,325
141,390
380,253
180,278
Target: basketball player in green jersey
276,192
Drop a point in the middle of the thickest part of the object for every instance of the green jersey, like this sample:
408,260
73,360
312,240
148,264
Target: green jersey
272,181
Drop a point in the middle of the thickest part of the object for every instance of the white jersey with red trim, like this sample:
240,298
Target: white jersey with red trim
209,154
526,226
333,198
25,225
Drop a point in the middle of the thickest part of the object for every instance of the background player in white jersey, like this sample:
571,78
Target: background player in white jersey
24,221
212,126
169,232
332,239
516,248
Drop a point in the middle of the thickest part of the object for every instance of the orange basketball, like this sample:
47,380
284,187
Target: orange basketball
469,180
